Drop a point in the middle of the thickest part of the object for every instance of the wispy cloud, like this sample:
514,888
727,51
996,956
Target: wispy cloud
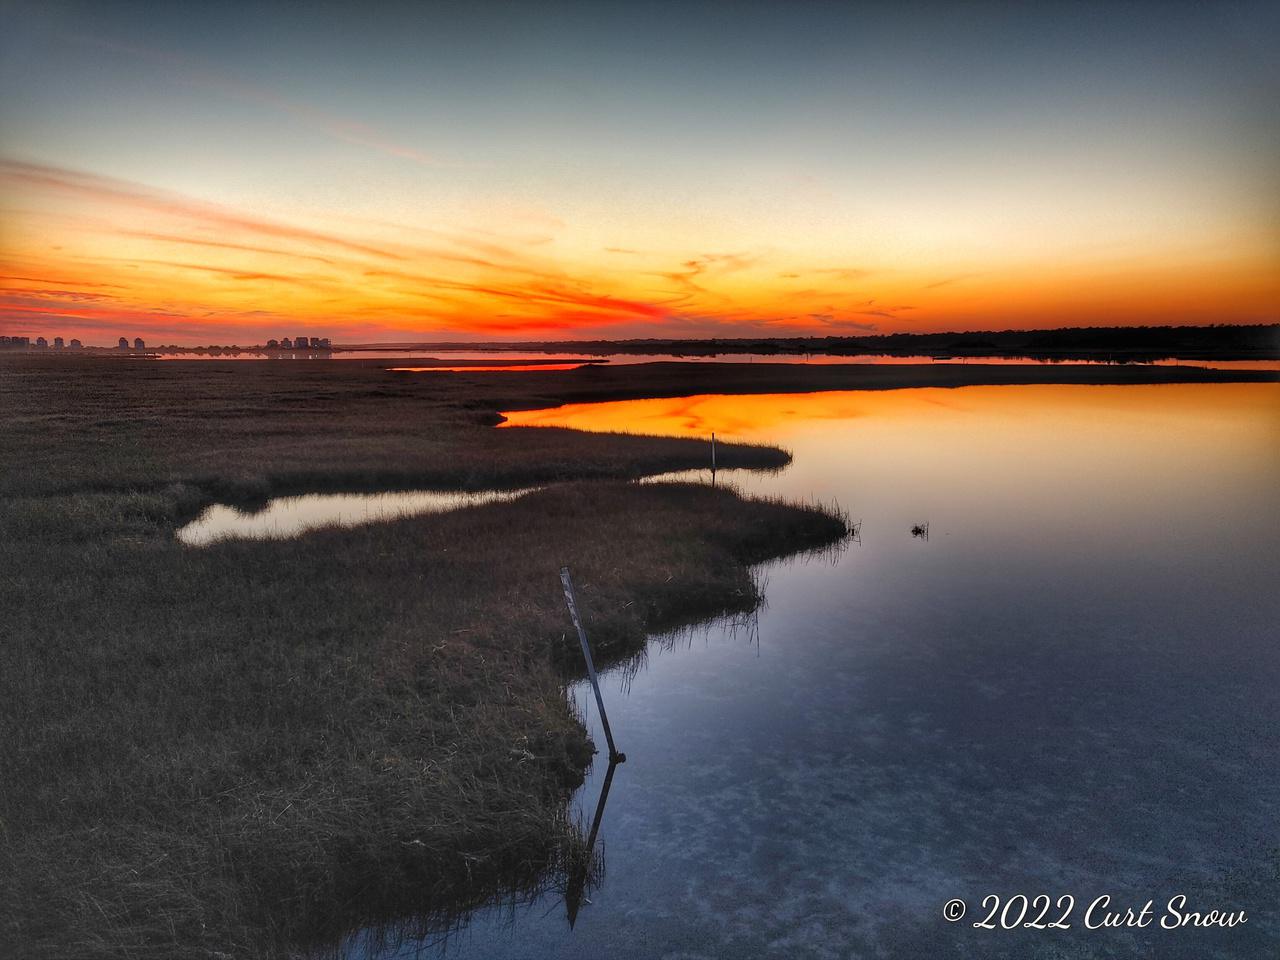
54,318
691,270
61,282
845,273
535,293
233,273
831,320
111,190
37,295
950,280
221,245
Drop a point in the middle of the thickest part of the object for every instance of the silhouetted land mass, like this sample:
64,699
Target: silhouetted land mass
1222,342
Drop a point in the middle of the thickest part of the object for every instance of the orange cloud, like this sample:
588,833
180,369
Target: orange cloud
537,295
98,188
220,245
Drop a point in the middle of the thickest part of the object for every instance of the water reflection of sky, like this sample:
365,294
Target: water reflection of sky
285,517
1072,687
491,368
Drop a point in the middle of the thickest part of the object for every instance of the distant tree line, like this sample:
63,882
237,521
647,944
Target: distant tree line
1220,342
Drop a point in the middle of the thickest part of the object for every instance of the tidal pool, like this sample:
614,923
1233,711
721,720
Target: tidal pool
286,517
1071,688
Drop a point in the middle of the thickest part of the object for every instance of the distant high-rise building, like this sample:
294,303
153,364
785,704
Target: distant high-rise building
123,344
301,343
42,343
76,345
138,344
58,343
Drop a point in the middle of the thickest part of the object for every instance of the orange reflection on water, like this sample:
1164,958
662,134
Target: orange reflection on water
728,415
776,417
1078,457
488,369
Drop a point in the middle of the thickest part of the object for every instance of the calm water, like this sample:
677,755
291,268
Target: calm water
1071,688
289,516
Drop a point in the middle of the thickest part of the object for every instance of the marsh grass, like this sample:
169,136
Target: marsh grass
241,433
258,747
262,742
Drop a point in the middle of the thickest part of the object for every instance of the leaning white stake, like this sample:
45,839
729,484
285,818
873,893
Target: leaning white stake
614,755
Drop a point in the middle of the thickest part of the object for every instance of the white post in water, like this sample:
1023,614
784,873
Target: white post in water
614,755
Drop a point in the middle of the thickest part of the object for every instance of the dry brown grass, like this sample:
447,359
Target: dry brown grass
261,745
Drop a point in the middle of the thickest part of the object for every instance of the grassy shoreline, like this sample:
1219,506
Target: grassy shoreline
255,747
246,430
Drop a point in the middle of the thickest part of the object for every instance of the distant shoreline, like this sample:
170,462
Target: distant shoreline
1099,344
1116,344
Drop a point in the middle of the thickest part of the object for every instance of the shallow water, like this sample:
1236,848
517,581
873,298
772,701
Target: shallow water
1072,687
286,517
490,368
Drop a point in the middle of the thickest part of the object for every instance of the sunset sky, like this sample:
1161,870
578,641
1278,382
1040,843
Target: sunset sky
197,173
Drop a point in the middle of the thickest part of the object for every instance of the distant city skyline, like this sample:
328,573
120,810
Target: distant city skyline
196,173
41,342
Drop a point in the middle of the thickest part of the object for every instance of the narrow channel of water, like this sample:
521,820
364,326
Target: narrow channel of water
286,517
1070,688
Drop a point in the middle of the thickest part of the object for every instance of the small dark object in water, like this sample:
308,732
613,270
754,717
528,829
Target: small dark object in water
921,530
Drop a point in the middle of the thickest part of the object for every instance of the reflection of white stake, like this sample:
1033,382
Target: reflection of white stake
713,459
614,755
